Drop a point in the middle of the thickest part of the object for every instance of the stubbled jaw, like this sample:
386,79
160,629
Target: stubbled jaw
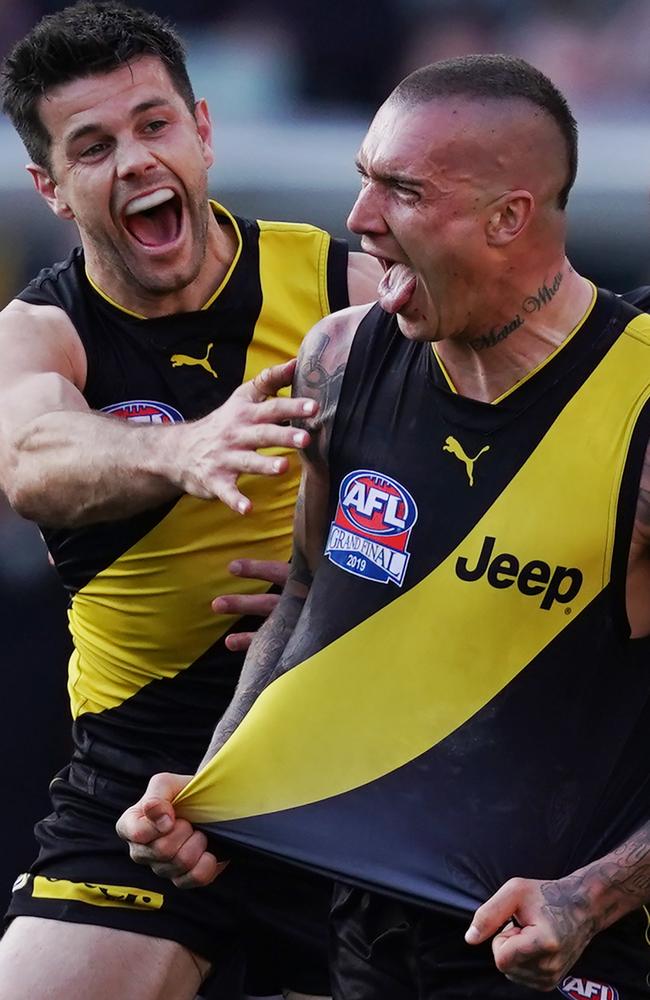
397,286
155,220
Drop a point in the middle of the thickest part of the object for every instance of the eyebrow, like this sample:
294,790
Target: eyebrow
389,178
94,127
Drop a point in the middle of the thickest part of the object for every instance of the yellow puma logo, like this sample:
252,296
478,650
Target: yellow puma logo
456,448
185,359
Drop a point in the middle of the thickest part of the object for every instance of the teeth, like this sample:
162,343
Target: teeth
149,201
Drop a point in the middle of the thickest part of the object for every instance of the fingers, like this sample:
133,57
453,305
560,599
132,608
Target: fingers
261,569
238,642
153,815
245,604
168,844
270,380
263,388
204,871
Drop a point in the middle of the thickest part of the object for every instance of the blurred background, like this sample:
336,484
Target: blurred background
292,85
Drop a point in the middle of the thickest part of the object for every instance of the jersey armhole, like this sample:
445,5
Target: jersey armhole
337,275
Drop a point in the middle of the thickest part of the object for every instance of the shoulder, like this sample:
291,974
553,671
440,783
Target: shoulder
364,275
43,338
327,345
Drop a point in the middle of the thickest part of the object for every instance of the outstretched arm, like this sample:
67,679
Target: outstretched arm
548,924
63,465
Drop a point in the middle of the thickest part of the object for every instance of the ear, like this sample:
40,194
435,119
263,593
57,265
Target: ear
508,217
48,189
204,128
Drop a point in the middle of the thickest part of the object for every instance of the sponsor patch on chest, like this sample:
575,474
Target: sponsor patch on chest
144,411
586,989
371,527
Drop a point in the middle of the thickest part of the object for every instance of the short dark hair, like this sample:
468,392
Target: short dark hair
498,77
80,41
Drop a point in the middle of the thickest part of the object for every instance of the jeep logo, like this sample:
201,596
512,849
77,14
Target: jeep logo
535,577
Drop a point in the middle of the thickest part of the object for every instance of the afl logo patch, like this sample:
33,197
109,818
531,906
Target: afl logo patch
371,528
586,989
144,411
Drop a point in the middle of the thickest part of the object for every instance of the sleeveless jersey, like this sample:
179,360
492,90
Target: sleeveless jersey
150,675
467,705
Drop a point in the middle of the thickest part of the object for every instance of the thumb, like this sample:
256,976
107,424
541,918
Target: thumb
157,800
489,919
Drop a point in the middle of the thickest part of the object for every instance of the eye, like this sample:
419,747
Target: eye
94,151
406,193
155,126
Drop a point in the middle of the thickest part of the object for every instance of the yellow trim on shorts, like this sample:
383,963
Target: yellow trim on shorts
124,897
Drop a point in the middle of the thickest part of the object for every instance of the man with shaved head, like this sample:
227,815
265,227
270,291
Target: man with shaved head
490,416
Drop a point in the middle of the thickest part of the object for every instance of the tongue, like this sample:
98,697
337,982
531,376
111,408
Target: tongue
396,288
155,227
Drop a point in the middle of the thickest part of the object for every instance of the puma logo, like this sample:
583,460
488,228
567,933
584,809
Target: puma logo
456,448
184,359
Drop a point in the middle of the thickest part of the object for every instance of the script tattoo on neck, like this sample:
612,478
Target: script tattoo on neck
531,304
545,293
496,334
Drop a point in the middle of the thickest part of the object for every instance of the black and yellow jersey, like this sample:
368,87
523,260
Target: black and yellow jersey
466,703
150,675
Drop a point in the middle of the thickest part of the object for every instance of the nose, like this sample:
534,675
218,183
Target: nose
133,158
366,216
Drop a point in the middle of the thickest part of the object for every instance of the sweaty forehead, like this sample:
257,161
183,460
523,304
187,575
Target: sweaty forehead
494,141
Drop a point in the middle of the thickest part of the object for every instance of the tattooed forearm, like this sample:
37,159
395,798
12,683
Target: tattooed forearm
261,667
531,304
627,869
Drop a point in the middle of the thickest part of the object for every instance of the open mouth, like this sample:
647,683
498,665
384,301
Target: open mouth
155,219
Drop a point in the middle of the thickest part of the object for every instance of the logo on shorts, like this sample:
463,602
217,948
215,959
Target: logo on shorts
20,882
144,411
371,528
586,989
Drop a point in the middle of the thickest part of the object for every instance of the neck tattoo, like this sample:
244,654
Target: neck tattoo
532,304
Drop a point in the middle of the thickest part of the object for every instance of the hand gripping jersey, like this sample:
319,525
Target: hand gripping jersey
150,675
466,705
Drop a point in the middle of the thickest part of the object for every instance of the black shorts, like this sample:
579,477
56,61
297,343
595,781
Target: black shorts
262,923
383,948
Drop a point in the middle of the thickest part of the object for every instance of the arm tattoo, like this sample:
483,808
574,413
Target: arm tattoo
314,378
628,868
262,666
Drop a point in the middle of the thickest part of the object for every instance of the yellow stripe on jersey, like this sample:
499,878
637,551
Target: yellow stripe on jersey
122,896
290,272
148,615
372,700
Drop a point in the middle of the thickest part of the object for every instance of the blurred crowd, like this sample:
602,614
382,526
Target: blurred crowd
351,54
